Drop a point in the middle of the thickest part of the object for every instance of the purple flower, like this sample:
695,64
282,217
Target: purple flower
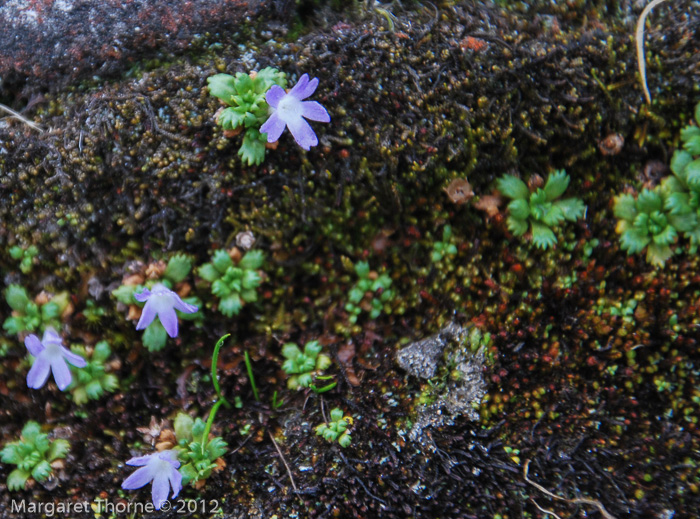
160,468
289,109
51,356
162,302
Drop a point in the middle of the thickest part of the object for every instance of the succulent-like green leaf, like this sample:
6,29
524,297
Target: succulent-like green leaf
679,161
231,118
198,428
513,187
336,414
249,296
155,336
221,261
633,241
553,217
208,272
30,431
312,349
183,426
690,135
290,351
59,448
16,297
686,222
41,471
267,77
220,288
251,279
230,305
345,440
519,209
625,207
10,453
252,260
658,254
252,150
557,182
362,269
542,236
16,479
649,201
216,447
517,227
692,173
125,294
101,352
222,87
665,237
571,208
188,473
178,268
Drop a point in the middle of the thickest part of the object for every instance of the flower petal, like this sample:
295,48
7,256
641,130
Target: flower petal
161,486
142,297
273,127
39,373
302,133
50,335
175,479
170,456
304,88
34,345
314,111
61,373
147,315
275,95
168,318
182,306
138,479
139,461
73,358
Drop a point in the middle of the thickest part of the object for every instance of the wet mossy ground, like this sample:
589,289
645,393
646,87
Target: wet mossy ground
605,406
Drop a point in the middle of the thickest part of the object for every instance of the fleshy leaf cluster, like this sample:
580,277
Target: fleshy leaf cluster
33,455
336,429
646,223
539,210
198,461
682,190
302,365
90,382
30,316
247,109
233,283
25,257
371,293
177,269
445,247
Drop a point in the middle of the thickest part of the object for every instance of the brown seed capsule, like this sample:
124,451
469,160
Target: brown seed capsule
535,182
459,191
612,144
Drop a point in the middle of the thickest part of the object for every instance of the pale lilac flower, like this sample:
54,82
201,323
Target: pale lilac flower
51,356
162,302
159,468
289,109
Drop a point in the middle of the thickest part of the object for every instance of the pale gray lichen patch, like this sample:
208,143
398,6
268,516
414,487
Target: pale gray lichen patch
421,358
463,386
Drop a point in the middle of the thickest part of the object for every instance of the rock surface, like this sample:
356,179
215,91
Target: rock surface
48,39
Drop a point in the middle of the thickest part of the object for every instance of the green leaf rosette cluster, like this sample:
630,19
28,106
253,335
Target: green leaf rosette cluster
540,210
247,109
33,455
